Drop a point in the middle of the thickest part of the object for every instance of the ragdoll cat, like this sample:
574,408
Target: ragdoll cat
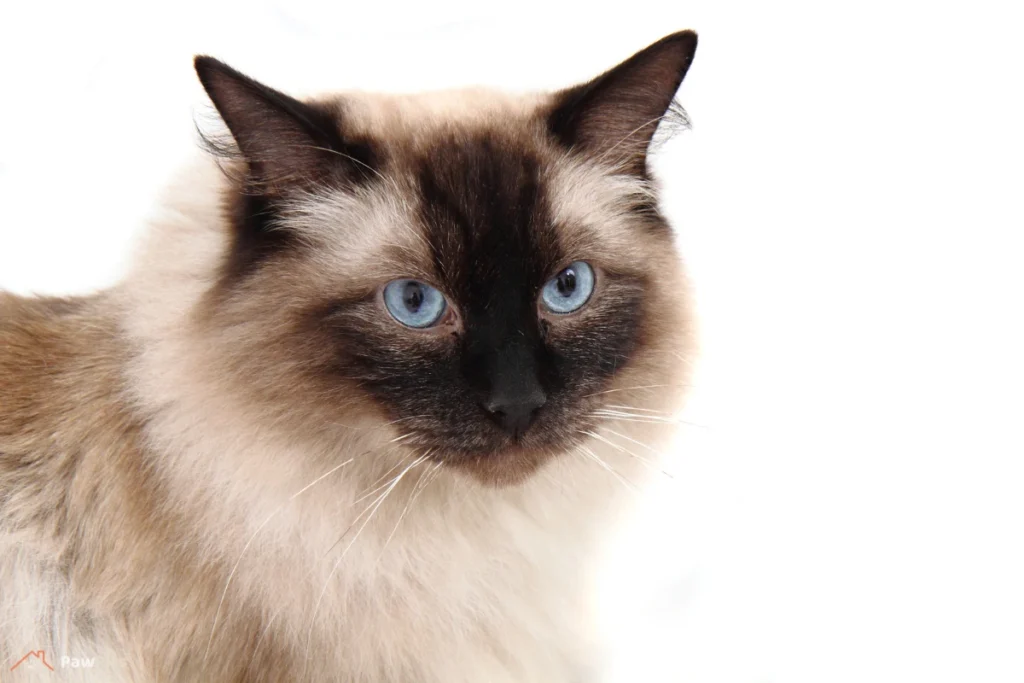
380,378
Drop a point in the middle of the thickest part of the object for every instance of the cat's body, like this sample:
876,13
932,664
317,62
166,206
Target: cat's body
205,477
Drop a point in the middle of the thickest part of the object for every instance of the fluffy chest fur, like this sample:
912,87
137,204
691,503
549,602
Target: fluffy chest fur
444,587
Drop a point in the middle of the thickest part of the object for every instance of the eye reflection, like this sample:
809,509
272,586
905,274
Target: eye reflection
570,289
414,303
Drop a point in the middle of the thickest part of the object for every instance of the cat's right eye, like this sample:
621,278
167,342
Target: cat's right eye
414,304
570,289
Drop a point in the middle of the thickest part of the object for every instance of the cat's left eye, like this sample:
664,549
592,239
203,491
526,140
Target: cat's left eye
414,303
570,289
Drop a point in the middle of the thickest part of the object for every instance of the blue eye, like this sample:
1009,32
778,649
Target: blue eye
570,289
413,303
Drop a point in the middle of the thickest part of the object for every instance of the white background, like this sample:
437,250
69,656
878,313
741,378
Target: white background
849,200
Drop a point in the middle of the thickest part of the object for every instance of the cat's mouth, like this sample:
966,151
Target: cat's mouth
508,467
507,461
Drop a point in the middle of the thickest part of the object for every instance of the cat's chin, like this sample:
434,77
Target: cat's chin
510,467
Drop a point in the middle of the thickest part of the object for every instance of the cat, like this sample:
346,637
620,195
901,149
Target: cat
383,373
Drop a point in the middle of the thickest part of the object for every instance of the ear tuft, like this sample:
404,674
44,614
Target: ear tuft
615,116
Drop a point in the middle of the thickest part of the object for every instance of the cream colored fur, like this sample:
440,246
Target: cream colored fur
463,584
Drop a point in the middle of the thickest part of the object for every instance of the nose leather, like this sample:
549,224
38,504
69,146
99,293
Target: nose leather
515,393
515,412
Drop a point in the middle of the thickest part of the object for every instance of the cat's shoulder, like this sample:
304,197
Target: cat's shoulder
36,332
22,313
50,349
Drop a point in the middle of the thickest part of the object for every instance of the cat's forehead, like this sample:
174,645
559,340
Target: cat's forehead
468,183
413,121
485,212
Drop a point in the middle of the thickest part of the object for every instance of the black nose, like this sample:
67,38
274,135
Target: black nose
515,413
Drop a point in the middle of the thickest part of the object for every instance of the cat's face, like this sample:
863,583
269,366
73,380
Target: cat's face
479,271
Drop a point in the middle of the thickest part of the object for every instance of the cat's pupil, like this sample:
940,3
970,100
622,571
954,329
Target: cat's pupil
566,282
412,297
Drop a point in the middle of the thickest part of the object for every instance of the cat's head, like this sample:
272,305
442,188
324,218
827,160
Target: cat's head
483,271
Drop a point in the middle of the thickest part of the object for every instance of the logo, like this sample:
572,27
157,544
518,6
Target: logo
38,654
65,662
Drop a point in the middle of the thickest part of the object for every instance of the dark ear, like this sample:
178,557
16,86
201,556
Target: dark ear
616,114
283,140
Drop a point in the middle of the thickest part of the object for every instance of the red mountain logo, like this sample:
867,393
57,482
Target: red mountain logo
38,654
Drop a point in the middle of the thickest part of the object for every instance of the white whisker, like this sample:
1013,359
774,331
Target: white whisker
635,408
644,419
611,470
425,480
646,386
380,426
649,419
622,449
379,487
631,440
